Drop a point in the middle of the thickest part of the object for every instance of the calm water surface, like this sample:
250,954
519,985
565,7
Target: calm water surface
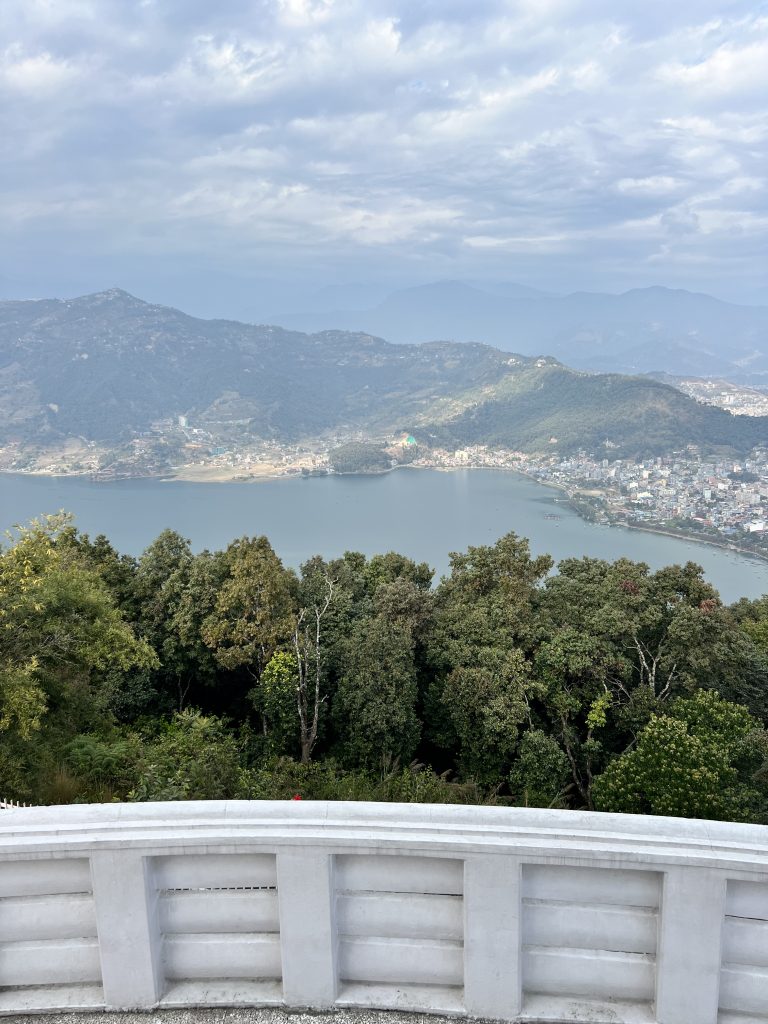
422,513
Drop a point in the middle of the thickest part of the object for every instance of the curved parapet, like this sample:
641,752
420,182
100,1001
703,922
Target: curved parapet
502,913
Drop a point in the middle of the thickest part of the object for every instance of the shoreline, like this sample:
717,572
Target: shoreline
694,538
219,476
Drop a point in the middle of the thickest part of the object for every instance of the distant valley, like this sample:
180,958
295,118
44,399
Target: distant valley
109,369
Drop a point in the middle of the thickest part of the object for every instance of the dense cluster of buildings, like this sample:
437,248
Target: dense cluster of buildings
719,499
726,496
739,400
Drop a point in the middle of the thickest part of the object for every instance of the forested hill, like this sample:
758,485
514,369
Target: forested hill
108,366
553,407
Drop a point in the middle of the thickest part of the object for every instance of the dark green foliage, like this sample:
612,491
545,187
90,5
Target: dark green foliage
375,699
540,775
324,780
701,759
226,675
359,457
194,757
480,690
274,698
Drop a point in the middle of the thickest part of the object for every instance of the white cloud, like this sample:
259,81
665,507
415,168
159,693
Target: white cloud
37,74
305,12
728,69
655,185
476,131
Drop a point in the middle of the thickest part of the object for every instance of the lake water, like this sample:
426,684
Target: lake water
422,513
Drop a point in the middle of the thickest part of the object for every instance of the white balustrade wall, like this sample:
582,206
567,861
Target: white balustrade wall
512,914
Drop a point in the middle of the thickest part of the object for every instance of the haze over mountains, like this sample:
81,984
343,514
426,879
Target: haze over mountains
107,367
640,331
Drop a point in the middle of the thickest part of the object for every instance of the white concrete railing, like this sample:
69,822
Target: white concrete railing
488,912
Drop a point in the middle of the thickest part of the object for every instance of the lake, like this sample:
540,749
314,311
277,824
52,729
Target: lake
422,513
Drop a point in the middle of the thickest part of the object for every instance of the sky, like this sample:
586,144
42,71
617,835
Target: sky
234,156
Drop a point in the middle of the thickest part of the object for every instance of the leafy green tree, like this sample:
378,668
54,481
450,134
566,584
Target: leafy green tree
252,613
747,681
118,571
388,568
616,642
190,653
404,602
487,706
574,669
275,698
165,585
478,651
195,757
359,586
541,773
375,701
700,759
339,599
359,457
59,628
662,629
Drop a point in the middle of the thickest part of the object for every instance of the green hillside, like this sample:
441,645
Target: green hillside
558,409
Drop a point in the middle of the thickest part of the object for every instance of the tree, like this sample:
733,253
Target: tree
317,590
700,759
375,701
195,662
359,457
383,569
749,684
662,628
161,587
118,571
478,653
59,628
359,586
337,600
540,774
616,643
574,669
274,697
252,612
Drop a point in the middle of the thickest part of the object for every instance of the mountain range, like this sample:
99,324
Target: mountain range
107,367
640,331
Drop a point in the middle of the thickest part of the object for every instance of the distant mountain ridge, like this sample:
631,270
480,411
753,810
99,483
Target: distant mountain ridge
108,366
640,331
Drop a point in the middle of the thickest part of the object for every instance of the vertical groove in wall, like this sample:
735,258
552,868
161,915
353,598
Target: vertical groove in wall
49,951
744,972
589,943
400,925
220,928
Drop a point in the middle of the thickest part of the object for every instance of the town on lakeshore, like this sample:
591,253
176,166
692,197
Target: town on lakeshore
722,500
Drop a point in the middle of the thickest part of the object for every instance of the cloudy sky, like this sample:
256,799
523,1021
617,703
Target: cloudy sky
229,155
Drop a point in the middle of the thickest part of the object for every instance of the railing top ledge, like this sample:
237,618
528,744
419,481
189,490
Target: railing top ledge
383,827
